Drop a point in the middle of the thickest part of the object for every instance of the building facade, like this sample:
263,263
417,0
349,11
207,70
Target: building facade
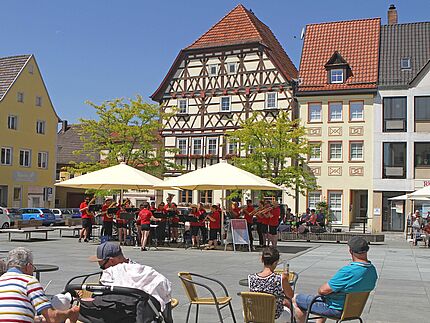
337,88
28,125
235,69
402,121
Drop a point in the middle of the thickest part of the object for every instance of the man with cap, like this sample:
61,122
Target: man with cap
359,276
121,271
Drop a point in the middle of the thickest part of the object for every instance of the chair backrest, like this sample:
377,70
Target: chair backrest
190,289
354,305
258,307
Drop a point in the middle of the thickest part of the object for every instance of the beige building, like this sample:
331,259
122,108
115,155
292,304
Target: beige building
337,88
28,126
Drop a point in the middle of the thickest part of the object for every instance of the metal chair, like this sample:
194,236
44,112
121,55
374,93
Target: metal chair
219,302
258,307
352,310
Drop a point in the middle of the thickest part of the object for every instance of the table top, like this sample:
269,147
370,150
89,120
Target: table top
45,268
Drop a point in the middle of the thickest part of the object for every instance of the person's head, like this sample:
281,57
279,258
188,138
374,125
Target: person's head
87,199
201,206
249,202
234,204
2,267
312,211
289,210
145,205
214,208
174,206
22,259
267,203
270,257
161,205
193,207
109,254
358,248
141,206
308,210
417,213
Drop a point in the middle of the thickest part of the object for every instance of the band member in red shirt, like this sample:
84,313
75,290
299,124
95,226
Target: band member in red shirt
107,218
249,217
214,226
202,223
174,222
145,216
235,210
195,227
274,215
87,219
121,224
261,226
161,228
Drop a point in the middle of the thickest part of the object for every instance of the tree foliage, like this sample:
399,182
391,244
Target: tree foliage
276,150
124,131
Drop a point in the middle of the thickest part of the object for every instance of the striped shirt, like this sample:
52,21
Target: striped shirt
21,297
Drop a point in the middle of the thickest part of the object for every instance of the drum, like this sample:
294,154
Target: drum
303,229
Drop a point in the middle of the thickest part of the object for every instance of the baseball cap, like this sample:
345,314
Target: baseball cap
107,250
358,245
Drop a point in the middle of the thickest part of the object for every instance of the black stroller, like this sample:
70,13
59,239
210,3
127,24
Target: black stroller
110,304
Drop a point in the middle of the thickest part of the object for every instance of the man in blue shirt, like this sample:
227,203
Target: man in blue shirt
359,276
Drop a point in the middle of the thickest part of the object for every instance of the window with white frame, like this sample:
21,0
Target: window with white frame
356,151
314,111
205,197
20,97
315,153
40,127
313,199
25,157
185,196
225,104
356,111
232,147
197,146
182,106
38,101
335,206
12,122
335,111
6,156
183,146
42,159
271,100
335,151
213,69
336,76
231,68
212,146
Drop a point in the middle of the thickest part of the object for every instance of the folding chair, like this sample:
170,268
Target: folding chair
219,302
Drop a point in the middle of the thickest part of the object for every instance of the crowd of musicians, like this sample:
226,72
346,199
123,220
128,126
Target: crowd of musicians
164,220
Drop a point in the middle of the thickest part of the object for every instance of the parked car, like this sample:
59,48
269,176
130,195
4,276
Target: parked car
13,215
4,218
38,213
75,213
59,216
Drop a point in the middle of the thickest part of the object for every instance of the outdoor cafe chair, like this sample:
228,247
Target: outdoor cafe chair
258,307
352,310
191,291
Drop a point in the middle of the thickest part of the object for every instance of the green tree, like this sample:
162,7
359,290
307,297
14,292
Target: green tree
124,131
276,150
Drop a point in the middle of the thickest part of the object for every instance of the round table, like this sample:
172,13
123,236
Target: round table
243,282
43,268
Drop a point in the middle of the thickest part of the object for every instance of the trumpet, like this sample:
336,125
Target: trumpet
261,211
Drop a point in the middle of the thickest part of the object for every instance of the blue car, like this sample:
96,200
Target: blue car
37,213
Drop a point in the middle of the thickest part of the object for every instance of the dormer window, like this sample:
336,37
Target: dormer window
336,76
405,63
338,69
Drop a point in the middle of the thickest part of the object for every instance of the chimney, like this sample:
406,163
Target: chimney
392,15
63,125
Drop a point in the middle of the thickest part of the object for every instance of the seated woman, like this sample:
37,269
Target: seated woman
267,281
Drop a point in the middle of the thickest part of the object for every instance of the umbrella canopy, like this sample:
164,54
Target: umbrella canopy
407,197
120,177
423,192
222,176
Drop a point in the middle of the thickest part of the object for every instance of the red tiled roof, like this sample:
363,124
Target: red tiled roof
357,41
241,26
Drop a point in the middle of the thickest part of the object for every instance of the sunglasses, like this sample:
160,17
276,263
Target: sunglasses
104,263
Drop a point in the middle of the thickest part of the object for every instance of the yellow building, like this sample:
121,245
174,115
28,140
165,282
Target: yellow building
338,79
28,125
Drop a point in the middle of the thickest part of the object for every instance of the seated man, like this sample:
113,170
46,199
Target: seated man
359,276
22,295
120,271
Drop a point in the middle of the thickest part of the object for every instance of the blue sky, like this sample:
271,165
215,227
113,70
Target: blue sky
102,49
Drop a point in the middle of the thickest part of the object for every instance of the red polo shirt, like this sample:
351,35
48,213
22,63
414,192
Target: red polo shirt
106,217
276,214
145,216
249,218
84,213
217,223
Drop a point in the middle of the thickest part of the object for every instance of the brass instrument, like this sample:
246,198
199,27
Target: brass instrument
88,206
106,212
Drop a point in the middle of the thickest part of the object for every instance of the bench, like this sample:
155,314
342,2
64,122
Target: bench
27,231
327,236
74,229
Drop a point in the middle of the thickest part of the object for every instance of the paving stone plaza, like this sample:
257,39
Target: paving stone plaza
401,295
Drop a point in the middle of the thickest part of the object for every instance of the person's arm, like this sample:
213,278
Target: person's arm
84,208
286,287
55,316
325,289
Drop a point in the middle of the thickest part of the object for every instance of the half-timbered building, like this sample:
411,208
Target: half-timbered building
235,69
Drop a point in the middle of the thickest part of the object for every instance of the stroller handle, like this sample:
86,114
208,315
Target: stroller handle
104,289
